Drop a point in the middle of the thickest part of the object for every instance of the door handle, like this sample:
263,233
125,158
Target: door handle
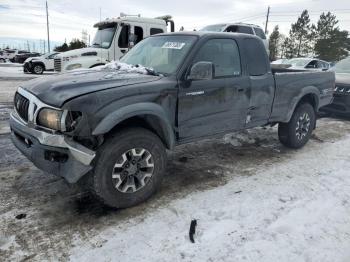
241,89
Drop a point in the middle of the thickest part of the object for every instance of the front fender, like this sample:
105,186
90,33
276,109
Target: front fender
139,109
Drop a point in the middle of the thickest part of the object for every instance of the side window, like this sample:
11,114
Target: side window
256,57
123,41
245,30
138,34
259,32
224,54
155,31
312,64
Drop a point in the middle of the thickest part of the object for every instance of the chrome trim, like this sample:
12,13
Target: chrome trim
33,101
79,152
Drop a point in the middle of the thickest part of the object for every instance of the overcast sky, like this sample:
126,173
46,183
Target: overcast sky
26,18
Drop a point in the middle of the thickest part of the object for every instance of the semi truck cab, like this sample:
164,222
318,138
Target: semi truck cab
113,38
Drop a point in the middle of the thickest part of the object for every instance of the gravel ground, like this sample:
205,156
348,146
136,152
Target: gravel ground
243,189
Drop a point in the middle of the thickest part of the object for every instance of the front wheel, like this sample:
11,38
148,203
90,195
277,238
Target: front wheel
297,132
129,167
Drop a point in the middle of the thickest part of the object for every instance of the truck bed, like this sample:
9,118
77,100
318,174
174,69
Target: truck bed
292,85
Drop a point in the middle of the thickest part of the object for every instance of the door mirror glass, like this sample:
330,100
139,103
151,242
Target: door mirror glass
201,71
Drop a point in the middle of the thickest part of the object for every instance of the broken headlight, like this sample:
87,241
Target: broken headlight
50,118
58,120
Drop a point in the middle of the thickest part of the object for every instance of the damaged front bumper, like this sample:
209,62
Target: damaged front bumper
52,153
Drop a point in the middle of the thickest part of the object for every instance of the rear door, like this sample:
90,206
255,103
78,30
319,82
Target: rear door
261,82
207,107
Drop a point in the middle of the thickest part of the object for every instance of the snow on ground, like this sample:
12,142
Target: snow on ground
15,72
296,210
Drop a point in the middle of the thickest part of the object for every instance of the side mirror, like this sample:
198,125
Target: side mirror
201,71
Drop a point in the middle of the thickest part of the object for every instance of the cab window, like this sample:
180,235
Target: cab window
255,52
138,34
224,55
123,41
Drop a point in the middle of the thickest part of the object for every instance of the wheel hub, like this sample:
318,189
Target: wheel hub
133,170
303,126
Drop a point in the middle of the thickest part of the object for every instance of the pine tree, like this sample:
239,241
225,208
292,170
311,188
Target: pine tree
331,43
274,42
301,36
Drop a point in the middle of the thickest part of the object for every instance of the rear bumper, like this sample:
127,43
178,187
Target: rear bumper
51,153
340,105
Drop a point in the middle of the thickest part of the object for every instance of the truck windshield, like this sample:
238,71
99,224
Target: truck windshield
343,66
161,53
214,28
104,36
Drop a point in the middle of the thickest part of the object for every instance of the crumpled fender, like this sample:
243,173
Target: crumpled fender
138,109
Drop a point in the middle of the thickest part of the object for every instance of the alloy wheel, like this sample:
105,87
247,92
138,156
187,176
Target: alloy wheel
133,170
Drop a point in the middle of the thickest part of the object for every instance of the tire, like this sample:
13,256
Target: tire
110,183
2,60
38,69
297,132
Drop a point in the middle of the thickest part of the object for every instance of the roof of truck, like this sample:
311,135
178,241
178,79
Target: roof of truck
209,33
137,19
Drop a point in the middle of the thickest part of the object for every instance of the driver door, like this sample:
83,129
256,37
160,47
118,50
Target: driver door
207,107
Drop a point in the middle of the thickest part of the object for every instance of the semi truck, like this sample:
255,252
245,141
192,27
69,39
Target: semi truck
114,37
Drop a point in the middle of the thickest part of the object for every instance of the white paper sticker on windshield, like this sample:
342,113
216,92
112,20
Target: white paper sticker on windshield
173,45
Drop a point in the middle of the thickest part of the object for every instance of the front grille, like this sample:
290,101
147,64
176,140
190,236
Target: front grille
22,106
342,90
58,64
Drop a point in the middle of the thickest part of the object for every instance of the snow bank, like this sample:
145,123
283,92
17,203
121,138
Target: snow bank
295,210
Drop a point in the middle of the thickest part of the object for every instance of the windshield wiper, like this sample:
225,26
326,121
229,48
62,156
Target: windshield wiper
96,44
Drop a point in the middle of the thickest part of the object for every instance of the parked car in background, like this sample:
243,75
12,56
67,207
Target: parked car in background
37,65
341,102
281,61
10,54
239,28
20,58
308,64
109,128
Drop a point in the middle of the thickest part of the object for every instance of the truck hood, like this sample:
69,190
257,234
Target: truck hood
80,51
56,90
37,58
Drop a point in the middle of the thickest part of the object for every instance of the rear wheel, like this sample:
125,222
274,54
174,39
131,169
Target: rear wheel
129,168
297,132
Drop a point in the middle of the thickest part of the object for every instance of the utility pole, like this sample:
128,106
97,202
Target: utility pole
267,19
48,30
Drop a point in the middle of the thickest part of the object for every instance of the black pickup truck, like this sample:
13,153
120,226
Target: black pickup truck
110,127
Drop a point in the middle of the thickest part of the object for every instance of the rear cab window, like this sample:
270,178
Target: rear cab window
256,56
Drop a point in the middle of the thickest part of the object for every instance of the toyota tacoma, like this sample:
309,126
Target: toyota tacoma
109,127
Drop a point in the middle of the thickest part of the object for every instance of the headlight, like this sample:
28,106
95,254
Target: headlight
73,66
58,120
50,118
